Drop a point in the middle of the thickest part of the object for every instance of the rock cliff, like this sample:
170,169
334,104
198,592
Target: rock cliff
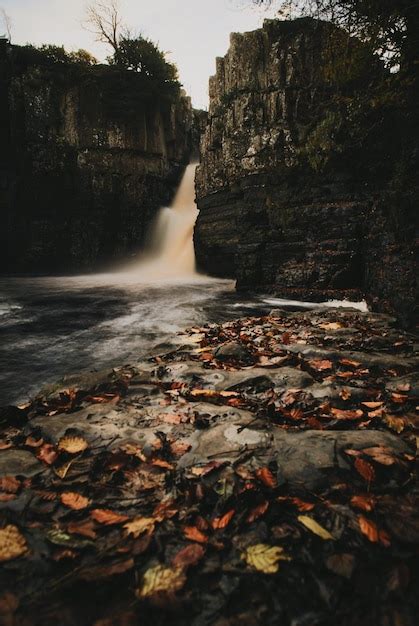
85,162
288,191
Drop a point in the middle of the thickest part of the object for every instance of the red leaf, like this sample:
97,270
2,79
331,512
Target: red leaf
266,477
192,533
365,469
47,454
222,522
257,512
189,555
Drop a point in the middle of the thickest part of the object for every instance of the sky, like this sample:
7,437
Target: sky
193,32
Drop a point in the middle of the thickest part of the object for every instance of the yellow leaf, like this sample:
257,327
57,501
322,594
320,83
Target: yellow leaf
264,558
315,528
161,579
12,543
140,525
395,423
331,326
73,445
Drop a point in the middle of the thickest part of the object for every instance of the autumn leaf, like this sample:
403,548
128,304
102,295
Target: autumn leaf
365,469
320,365
84,528
10,484
189,555
331,326
380,454
192,533
350,363
370,530
140,525
372,405
257,512
171,418
47,454
341,564
74,501
221,522
12,543
266,477
341,414
315,528
264,558
364,503
72,445
161,579
107,517
395,423
345,394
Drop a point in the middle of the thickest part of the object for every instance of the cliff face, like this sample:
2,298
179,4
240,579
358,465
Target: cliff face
83,165
286,204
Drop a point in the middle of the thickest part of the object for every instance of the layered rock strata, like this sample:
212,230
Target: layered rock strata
285,206
84,164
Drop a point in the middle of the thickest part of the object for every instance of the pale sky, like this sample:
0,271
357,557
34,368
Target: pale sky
193,31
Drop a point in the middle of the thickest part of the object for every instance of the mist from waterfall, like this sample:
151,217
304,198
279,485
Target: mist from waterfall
170,253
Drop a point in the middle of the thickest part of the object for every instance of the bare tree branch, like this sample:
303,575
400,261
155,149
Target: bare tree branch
104,21
7,23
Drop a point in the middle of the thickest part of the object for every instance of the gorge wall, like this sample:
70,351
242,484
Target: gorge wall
86,159
292,198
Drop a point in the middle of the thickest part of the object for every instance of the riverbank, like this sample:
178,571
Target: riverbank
261,472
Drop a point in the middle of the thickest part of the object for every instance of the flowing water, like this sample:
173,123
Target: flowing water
52,326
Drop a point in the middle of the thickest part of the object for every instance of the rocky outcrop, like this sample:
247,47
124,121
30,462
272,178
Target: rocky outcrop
287,204
85,162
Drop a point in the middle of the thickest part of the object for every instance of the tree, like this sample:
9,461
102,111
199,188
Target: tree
6,22
144,57
82,57
390,26
104,20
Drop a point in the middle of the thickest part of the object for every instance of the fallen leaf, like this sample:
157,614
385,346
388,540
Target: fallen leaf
179,448
47,454
171,418
189,555
12,543
380,454
345,394
107,517
31,442
365,503
315,528
368,528
264,558
398,398
341,414
341,564
320,365
372,405
365,469
140,525
395,423
266,477
105,571
192,533
74,501
73,445
331,326
257,512
161,579
350,363
84,528
221,522
8,606
10,484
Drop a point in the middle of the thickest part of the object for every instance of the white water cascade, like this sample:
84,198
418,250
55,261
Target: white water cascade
170,252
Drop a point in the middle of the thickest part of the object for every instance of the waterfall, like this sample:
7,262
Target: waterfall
170,251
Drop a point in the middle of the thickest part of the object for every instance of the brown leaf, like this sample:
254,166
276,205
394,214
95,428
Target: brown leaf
398,398
257,512
5,445
395,423
73,445
320,365
171,418
341,414
221,522
140,525
365,503
47,454
179,448
372,405
380,454
341,564
9,603
192,533
368,528
74,501
350,363
12,543
189,555
266,477
10,484
84,528
345,394
105,571
107,517
365,469
31,442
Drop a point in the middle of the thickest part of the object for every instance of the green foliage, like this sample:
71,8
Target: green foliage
50,55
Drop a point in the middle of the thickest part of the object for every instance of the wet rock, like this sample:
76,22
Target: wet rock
19,463
232,350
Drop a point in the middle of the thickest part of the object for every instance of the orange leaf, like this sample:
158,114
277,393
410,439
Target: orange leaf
47,454
266,477
84,528
341,414
107,517
222,522
9,484
192,533
74,500
320,365
365,469
189,555
257,512
370,530
372,405
350,363
365,503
